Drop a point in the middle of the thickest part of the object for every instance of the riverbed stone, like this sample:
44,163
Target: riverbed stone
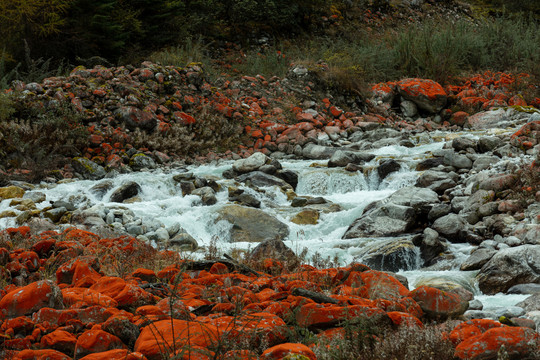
387,167
252,225
392,255
141,161
184,241
88,169
439,210
430,246
55,214
260,179
125,191
509,267
450,226
342,158
459,161
36,196
318,152
207,195
306,217
477,259
530,288
251,163
274,249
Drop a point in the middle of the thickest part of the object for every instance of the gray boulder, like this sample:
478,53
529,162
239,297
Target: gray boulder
318,152
207,195
342,158
532,303
477,259
141,161
387,167
252,225
463,143
88,169
252,163
509,267
101,188
532,289
260,179
450,226
456,160
392,255
274,249
125,191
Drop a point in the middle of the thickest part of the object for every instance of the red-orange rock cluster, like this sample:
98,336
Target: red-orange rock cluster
195,314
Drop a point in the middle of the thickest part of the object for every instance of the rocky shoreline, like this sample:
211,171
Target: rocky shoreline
482,190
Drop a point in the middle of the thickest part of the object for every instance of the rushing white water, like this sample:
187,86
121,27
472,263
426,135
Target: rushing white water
161,199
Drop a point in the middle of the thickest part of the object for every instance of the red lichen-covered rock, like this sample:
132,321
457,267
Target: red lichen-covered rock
403,318
251,328
383,92
30,260
517,100
45,354
93,341
60,340
282,350
80,271
459,118
471,328
81,297
30,299
118,354
90,315
438,304
427,94
319,316
125,293
145,275
519,342
380,285
166,335
21,325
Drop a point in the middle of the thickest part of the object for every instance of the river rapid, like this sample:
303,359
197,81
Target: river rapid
160,203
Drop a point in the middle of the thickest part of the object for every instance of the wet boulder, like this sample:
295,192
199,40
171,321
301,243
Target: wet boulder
477,259
391,255
141,161
88,169
11,192
276,250
101,188
252,225
437,304
395,215
342,158
260,179
387,167
451,226
207,195
509,267
252,163
125,191
306,217
318,152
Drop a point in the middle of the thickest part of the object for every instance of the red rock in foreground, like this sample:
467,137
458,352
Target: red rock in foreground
219,311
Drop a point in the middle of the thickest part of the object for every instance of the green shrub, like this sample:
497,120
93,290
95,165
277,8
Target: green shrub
38,139
7,108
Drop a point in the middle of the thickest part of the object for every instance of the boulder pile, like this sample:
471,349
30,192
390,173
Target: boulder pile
69,296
